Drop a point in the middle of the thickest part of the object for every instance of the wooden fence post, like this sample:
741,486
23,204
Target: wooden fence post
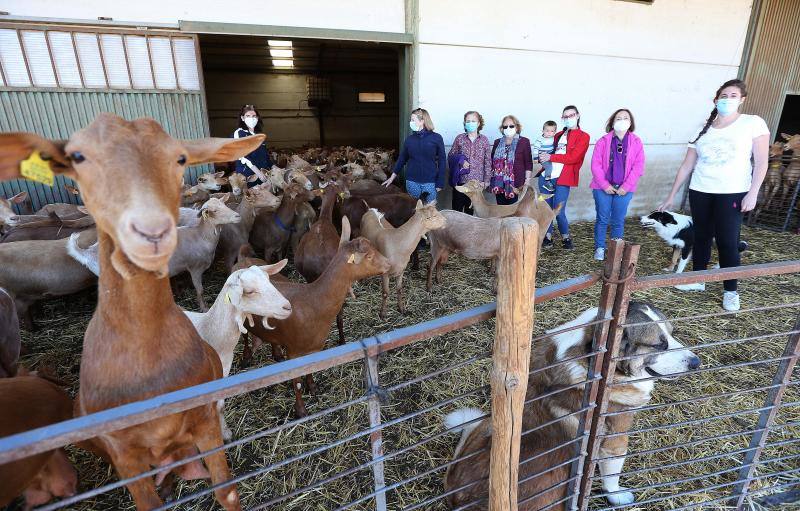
516,281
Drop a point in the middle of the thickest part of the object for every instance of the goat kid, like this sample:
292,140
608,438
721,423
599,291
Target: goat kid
397,244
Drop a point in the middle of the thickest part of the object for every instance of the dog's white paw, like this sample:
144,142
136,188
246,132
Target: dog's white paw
621,499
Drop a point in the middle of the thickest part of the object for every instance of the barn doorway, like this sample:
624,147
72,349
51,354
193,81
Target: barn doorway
310,92
790,116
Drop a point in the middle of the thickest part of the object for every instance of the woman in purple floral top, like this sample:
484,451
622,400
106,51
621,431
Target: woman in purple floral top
477,158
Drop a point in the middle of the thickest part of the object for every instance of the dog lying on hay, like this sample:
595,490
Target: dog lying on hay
547,442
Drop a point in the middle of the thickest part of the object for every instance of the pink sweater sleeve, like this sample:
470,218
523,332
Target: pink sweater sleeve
600,163
637,169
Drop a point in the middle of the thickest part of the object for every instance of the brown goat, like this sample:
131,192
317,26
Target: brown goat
791,173
7,212
10,341
139,343
319,245
483,209
232,236
52,227
397,244
272,229
315,306
30,402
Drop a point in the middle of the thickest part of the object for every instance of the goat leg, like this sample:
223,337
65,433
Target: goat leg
311,385
197,281
207,436
277,352
431,268
415,259
385,298
299,404
340,327
401,304
128,464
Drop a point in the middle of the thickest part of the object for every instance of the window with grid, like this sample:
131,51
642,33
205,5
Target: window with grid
89,60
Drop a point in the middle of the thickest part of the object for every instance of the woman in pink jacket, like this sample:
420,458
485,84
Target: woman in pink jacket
617,165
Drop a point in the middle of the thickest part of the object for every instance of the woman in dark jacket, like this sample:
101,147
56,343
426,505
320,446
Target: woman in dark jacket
423,152
512,161
258,159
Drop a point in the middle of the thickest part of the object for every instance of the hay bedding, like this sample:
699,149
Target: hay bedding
62,322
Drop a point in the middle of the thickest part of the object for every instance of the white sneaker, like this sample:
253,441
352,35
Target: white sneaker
697,286
730,301
599,254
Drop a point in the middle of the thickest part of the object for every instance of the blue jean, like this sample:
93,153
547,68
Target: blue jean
560,196
415,189
611,209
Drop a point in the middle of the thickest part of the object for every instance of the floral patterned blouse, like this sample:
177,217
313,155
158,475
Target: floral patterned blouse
479,154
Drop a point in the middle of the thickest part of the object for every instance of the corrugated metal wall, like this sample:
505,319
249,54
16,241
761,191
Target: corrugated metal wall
774,68
56,114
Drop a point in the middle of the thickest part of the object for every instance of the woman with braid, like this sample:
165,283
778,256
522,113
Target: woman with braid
724,183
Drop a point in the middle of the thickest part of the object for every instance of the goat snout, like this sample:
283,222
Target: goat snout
152,232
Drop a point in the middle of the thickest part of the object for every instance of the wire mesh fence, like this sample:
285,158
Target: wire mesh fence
778,207
595,432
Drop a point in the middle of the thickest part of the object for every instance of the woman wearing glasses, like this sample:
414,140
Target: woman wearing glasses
512,161
617,165
250,124
570,146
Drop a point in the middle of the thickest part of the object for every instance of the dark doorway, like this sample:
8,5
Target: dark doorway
790,117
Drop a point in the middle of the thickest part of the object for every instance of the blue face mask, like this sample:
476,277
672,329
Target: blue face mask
471,126
727,106
413,126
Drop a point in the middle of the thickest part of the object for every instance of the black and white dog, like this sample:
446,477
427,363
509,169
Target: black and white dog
678,231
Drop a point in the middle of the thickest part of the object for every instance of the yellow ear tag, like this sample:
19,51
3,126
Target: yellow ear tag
36,169
227,298
541,199
351,259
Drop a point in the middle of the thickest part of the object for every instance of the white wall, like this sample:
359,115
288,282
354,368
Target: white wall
664,62
376,15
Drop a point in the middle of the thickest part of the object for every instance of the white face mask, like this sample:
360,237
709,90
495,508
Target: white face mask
622,125
250,121
510,132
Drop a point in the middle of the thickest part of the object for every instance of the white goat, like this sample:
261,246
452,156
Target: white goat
246,293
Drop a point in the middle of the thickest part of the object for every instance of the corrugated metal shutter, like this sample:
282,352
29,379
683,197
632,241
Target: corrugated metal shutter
773,70
131,62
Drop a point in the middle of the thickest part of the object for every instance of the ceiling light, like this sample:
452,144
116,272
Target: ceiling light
281,53
282,63
282,44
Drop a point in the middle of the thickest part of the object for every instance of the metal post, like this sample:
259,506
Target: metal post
376,437
610,275
609,365
767,416
516,275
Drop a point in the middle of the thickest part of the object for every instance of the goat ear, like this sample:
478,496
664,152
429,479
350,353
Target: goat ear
225,198
785,136
219,174
419,204
273,269
345,237
252,179
19,198
219,150
18,147
72,190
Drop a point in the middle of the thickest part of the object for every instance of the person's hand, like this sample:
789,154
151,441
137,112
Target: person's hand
466,164
438,189
621,191
749,201
666,205
544,157
389,181
610,190
258,172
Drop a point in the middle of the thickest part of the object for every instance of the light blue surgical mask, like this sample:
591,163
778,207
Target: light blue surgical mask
413,126
471,126
571,122
727,106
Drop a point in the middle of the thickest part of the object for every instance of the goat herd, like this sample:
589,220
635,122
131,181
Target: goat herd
325,206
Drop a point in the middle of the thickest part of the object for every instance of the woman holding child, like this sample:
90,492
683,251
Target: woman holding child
569,150
617,165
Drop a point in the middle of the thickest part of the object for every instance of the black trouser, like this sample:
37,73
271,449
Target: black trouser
718,216
461,202
502,199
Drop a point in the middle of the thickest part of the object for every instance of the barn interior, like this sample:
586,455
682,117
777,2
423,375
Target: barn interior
309,92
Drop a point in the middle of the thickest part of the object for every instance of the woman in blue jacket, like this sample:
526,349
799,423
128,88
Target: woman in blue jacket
258,159
423,152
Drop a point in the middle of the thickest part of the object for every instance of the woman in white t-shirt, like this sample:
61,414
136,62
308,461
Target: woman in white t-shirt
724,183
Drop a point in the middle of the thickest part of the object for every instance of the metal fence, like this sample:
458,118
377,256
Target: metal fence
778,206
752,428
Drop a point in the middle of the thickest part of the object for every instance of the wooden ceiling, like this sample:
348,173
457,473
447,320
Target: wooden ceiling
237,53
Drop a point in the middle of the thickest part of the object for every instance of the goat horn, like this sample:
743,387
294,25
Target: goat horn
250,319
266,324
